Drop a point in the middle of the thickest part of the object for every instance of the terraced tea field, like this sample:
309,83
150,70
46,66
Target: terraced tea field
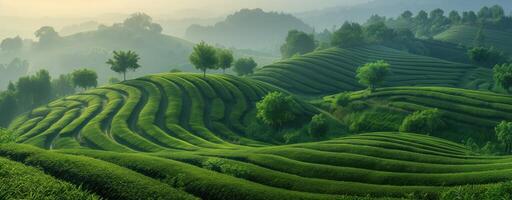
474,110
184,136
149,114
333,70
465,35
376,164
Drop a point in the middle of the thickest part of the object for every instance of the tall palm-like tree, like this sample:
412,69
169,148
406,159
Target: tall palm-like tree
124,61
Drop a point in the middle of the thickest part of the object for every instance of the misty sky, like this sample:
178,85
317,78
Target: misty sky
172,8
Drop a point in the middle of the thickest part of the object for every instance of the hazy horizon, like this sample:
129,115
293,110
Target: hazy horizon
169,8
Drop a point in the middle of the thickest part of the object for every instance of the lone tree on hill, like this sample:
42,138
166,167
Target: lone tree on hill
504,135
85,78
277,109
298,42
245,66
225,59
204,57
373,74
124,61
503,76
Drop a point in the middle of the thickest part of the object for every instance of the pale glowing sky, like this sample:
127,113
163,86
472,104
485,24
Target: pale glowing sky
174,8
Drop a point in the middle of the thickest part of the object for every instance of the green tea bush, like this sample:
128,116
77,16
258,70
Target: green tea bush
318,126
342,99
426,122
6,136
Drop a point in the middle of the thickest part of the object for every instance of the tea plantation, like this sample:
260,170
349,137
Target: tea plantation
185,136
333,70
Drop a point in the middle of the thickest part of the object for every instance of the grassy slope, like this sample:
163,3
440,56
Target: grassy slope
333,70
378,164
469,113
466,35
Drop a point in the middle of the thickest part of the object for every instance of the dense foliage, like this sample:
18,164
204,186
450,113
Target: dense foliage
297,43
245,66
225,59
85,78
373,74
277,109
504,135
503,76
426,122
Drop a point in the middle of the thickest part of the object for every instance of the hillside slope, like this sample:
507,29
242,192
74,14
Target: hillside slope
333,70
149,114
465,35
377,164
468,113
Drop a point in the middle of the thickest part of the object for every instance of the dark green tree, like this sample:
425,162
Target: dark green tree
318,126
469,17
455,17
297,42
245,66
124,61
8,107
497,12
373,74
504,135
225,59
378,32
63,86
487,57
406,15
503,76
425,121
277,109
85,78
349,35
204,57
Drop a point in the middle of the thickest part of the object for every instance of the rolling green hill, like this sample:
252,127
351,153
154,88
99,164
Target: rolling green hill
149,114
376,164
468,113
185,136
465,35
333,70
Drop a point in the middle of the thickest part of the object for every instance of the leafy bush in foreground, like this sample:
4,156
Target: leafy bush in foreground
22,182
426,122
6,136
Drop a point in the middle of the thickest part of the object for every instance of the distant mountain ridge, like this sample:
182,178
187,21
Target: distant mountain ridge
335,16
249,29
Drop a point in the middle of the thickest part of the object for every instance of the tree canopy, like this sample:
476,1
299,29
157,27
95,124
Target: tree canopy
245,66
373,74
504,135
124,61
425,121
225,59
85,78
503,76
487,57
349,35
297,42
277,109
204,57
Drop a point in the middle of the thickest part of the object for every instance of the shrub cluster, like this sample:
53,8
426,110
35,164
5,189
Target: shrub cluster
426,122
